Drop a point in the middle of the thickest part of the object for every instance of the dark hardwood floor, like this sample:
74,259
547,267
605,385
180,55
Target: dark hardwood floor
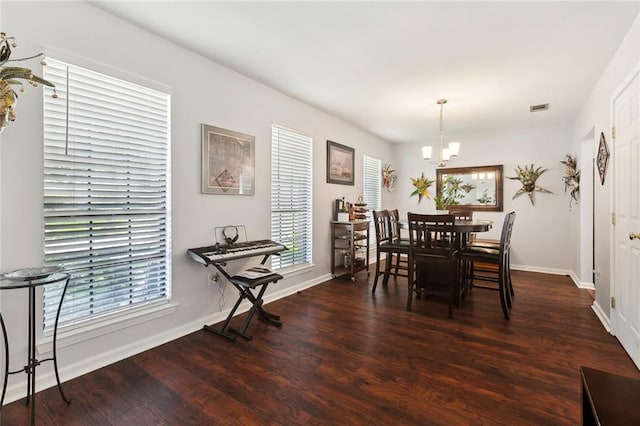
344,356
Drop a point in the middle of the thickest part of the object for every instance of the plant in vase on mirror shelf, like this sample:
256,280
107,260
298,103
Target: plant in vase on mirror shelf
450,193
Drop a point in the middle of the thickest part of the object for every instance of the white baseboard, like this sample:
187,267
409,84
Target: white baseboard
586,285
580,284
602,316
46,376
542,270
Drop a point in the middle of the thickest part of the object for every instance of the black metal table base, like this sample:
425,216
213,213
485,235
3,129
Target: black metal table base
33,361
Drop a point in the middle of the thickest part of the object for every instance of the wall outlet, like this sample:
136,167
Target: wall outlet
214,278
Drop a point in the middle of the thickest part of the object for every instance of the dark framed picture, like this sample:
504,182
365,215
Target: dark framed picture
340,163
228,162
603,158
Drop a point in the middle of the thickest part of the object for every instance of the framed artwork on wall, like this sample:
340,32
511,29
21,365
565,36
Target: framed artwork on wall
228,162
340,164
603,158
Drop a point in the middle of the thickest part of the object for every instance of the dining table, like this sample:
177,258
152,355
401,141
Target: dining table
463,228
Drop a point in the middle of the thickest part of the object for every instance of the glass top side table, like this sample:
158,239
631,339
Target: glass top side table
31,279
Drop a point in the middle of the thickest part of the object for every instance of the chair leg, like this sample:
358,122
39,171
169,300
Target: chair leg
410,284
505,276
375,280
397,265
502,284
387,269
509,273
454,286
463,278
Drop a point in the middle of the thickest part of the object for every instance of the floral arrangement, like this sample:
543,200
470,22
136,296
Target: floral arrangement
10,77
421,185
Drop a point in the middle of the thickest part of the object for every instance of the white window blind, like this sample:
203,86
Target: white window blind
291,221
372,190
372,183
106,200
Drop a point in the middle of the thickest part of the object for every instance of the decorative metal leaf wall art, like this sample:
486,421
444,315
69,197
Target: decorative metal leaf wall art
571,178
528,177
421,186
389,177
603,158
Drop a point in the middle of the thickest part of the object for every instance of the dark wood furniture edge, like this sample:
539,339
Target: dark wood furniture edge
609,399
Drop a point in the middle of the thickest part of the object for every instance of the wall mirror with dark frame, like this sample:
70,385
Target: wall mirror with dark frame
473,188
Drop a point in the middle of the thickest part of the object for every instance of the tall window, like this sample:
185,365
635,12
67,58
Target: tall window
106,193
372,192
291,155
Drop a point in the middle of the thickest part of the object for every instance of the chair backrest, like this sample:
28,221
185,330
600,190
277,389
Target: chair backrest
505,235
462,214
431,235
382,225
394,217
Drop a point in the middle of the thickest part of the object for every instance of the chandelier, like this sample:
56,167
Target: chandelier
446,154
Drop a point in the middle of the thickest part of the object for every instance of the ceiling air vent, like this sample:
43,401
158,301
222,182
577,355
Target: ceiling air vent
540,107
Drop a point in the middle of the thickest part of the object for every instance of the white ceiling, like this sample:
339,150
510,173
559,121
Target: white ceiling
383,65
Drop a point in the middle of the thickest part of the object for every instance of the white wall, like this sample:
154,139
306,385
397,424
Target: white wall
541,236
202,92
596,115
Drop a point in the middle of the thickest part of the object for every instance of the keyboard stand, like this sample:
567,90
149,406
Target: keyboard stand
218,257
245,287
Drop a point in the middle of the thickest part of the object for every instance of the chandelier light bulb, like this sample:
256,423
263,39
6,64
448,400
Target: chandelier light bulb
426,152
454,148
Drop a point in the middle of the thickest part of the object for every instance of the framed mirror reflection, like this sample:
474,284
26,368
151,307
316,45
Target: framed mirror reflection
473,188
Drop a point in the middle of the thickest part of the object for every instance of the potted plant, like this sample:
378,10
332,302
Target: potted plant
11,77
450,193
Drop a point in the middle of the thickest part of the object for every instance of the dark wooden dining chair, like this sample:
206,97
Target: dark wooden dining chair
385,244
464,214
432,241
401,260
498,256
480,269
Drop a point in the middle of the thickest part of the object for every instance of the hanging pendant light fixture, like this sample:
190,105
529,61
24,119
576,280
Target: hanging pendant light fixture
446,154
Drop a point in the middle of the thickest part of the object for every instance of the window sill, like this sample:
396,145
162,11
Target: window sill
293,271
108,324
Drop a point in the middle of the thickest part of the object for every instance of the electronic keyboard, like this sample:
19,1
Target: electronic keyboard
222,253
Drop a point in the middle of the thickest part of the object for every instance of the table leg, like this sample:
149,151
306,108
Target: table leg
55,340
6,361
32,361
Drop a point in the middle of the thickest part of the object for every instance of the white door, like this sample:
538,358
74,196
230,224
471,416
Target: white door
626,250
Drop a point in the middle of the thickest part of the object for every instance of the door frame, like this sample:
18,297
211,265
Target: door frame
586,212
612,170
